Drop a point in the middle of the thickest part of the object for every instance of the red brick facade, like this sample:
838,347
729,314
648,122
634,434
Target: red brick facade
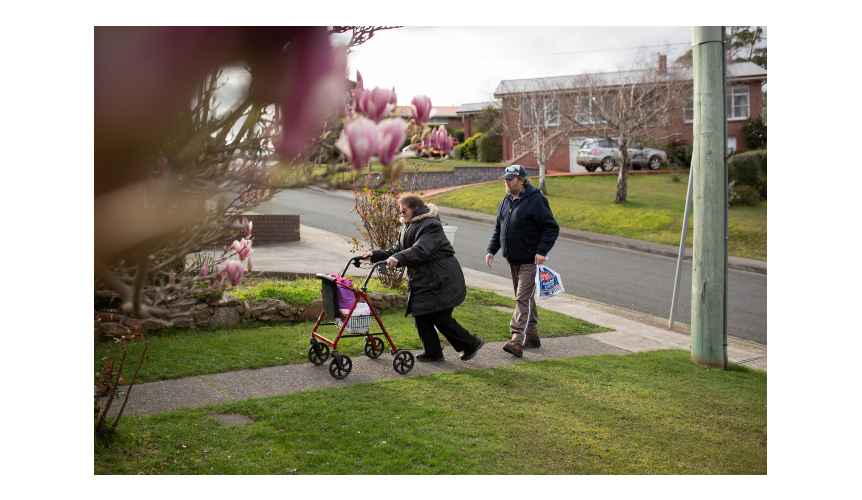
560,159
271,229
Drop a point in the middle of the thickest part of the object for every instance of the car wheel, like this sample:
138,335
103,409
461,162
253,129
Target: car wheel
607,164
590,169
636,166
654,163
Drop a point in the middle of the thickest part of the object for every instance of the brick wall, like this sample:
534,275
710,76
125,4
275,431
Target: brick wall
271,229
459,177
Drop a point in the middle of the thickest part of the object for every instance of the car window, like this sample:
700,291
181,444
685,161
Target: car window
637,145
587,144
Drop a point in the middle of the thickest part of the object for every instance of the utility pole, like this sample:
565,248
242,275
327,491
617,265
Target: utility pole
708,279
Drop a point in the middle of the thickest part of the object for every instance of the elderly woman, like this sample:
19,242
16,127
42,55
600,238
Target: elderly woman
435,280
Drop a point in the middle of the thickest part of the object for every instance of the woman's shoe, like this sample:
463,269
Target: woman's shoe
470,353
424,357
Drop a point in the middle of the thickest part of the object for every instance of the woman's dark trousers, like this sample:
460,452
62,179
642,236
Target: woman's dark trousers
456,334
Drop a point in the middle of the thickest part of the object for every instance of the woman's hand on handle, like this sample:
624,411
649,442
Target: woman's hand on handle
392,262
366,255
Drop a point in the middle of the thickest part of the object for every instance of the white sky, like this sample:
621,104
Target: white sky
458,65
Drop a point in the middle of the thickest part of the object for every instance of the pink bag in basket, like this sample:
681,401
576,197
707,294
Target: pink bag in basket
345,295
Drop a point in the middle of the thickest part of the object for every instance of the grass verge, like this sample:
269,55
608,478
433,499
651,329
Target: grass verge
648,413
181,353
654,211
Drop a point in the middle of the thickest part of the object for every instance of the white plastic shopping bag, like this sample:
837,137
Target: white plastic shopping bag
359,320
548,282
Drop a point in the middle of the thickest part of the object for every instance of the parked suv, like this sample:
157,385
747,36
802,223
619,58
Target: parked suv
605,154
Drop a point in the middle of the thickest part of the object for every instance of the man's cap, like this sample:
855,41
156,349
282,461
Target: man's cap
514,171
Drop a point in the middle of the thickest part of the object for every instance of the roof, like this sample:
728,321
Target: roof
475,107
735,71
441,110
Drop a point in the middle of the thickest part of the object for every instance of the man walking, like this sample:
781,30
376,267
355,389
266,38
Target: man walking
526,231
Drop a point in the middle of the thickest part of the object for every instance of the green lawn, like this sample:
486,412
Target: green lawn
654,210
648,413
181,353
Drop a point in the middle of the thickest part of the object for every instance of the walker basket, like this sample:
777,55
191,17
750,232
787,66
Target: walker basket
357,323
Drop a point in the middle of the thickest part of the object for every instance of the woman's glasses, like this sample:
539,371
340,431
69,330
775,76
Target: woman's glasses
404,211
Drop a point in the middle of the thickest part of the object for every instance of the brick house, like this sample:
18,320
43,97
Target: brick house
468,113
744,90
446,115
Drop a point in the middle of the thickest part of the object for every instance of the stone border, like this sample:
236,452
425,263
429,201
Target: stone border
226,311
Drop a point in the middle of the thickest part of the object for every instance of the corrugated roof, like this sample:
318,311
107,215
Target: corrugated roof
476,106
734,70
441,110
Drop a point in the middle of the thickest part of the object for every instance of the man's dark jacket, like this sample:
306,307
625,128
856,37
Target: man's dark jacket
435,279
525,227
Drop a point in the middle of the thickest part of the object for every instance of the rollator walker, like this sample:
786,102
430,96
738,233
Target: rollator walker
351,325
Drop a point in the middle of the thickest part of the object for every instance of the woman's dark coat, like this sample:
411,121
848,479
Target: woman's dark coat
435,279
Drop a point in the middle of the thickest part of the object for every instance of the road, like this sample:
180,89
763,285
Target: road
624,278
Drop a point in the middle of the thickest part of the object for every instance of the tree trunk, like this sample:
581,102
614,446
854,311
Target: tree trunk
622,178
541,161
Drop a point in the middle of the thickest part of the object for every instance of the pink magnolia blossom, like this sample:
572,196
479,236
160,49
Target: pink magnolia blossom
204,271
442,140
216,277
377,103
314,87
242,248
420,107
359,141
392,131
234,272
248,223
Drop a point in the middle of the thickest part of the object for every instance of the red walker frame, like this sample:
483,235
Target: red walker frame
341,364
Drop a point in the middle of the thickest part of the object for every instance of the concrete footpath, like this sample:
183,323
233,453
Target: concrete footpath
322,251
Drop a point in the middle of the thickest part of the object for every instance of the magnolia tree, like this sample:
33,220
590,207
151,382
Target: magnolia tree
176,166
370,134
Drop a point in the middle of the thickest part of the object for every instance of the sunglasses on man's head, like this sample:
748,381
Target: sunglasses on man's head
512,169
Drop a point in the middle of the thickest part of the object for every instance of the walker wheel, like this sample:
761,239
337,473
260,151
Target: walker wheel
373,347
403,362
342,371
319,355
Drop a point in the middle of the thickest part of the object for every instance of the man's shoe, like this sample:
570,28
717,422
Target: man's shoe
425,358
469,354
533,340
515,348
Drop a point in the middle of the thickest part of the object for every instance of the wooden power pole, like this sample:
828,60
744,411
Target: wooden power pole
708,278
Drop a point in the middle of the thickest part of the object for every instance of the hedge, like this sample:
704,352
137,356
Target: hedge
491,148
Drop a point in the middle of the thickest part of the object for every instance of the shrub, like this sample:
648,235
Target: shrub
458,152
755,133
490,148
459,135
761,153
450,131
470,147
678,153
743,168
742,195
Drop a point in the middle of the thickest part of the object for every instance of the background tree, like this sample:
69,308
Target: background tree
745,43
628,105
532,118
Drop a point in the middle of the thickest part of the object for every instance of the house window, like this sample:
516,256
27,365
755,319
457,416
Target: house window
543,111
737,102
438,120
731,144
737,105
